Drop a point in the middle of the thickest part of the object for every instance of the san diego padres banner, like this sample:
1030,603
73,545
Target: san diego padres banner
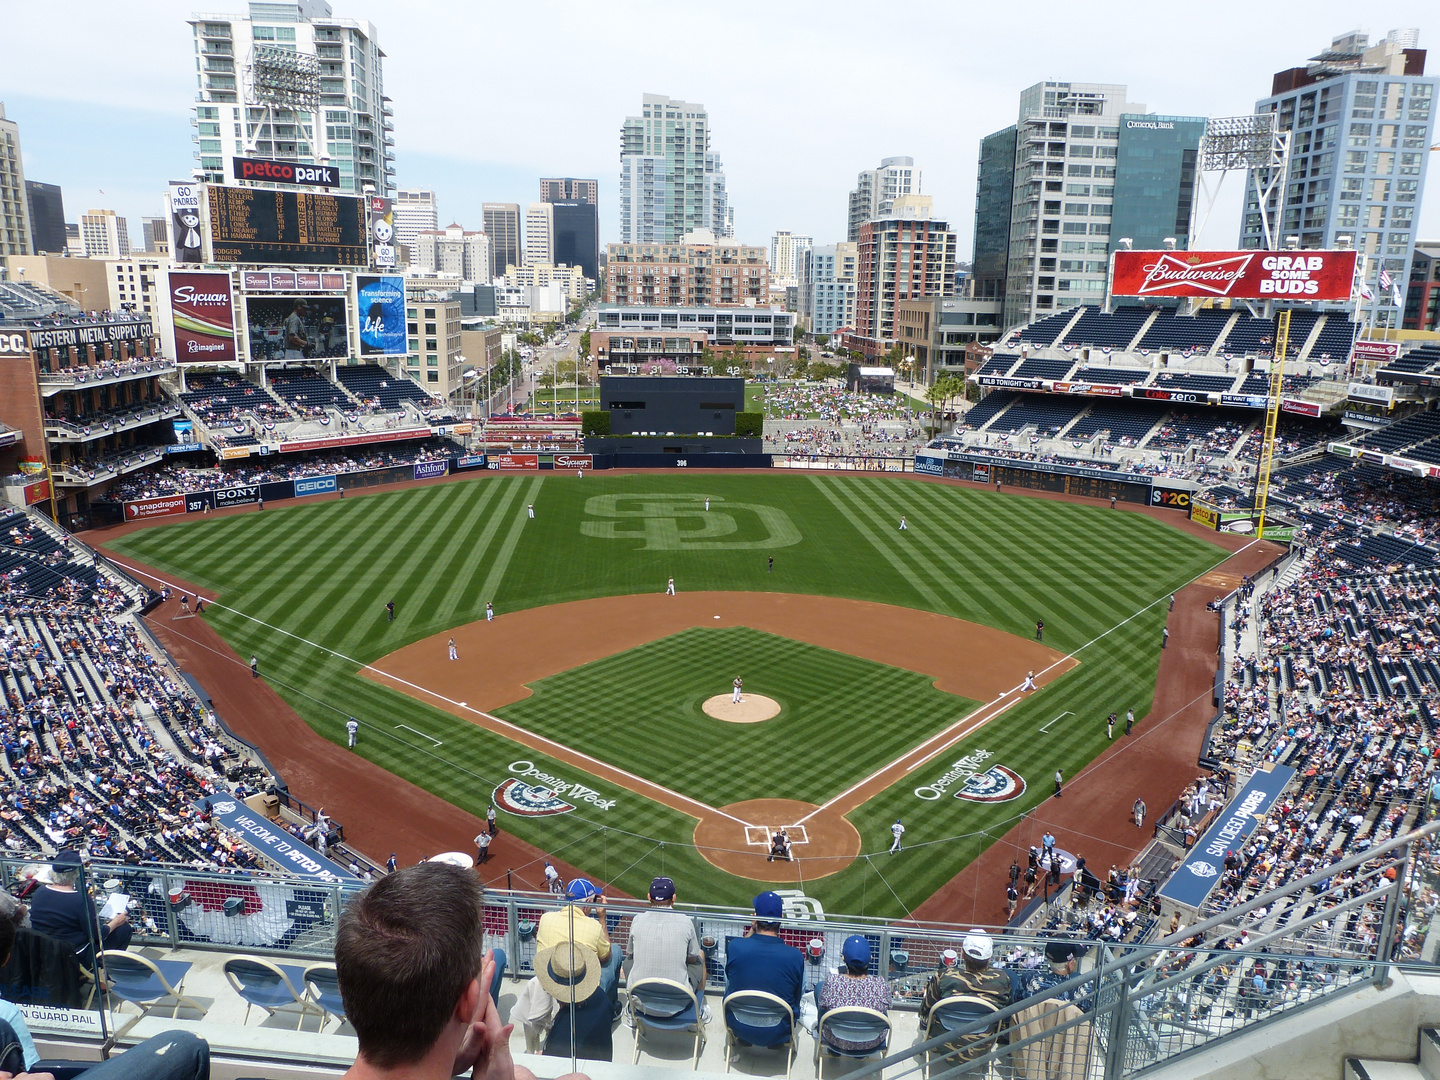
1238,275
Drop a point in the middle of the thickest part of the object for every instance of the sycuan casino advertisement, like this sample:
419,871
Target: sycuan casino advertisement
203,316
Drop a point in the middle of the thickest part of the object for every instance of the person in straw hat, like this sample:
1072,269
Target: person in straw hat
570,973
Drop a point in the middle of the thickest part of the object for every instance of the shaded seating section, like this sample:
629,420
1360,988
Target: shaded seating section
1038,367
1047,413
1293,435
988,408
147,984
1171,332
221,398
1044,331
1250,337
1414,361
381,389
1404,435
1116,376
1210,432
999,364
1335,340
1128,424
1200,384
307,393
1258,383
1113,331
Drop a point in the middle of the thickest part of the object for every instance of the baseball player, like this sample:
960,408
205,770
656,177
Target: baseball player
897,831
670,588
1029,683
454,653
1139,809
489,611
1059,777
1165,638
735,697
1110,726
1129,720
1172,601
903,526
490,820
770,565
254,666
390,611
707,504
552,879
1039,629
482,847
392,864
352,729
531,508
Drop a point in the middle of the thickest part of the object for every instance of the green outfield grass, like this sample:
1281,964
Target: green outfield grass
323,572
650,698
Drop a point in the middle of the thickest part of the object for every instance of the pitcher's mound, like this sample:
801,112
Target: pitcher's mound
752,709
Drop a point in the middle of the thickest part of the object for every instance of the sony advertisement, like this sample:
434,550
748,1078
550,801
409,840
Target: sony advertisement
203,316
1239,275
381,304
297,327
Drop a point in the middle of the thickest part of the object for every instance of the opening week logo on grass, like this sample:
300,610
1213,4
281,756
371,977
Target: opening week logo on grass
516,796
998,783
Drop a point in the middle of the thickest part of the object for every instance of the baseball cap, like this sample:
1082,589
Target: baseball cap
66,859
769,906
977,945
662,888
856,949
581,889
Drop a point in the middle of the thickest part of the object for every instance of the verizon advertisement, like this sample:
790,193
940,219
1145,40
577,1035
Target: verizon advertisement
203,316
1241,275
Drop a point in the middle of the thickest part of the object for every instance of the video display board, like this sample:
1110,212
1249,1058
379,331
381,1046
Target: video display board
297,327
271,226
381,301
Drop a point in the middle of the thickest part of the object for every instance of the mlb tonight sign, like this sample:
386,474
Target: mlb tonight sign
1200,871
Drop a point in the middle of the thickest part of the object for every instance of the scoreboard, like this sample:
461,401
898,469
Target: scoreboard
273,227
1088,486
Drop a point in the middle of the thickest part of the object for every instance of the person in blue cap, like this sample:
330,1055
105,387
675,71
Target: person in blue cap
851,986
761,961
573,922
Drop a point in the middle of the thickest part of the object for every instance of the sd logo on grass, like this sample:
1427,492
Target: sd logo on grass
681,523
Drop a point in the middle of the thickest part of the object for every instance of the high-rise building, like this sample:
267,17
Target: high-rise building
157,235
876,189
569,189
905,254
47,217
291,81
1081,169
1361,119
700,270
74,242
539,233
787,256
502,226
671,183
1422,301
575,229
106,234
827,287
570,279
416,211
454,252
14,206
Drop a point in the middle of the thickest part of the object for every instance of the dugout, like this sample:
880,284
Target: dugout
863,379
660,405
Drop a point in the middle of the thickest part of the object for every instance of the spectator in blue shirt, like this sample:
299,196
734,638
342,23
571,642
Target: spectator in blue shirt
761,961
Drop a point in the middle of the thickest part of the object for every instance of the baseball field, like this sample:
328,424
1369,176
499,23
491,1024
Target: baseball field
896,658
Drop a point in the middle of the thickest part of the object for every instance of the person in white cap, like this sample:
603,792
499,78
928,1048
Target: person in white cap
974,977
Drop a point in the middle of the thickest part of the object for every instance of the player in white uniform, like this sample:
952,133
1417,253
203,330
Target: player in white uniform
489,612
352,727
531,508
670,588
903,526
897,830
735,697
1029,683
454,654
552,879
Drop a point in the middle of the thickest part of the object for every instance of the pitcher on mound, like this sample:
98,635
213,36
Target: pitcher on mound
735,697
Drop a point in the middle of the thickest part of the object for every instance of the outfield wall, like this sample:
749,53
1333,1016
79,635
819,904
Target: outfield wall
1061,477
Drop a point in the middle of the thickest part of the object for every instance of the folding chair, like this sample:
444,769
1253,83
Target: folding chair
954,1012
145,983
271,986
323,985
853,1023
665,1005
755,1008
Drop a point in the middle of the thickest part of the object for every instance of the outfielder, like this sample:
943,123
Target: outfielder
670,588
903,526
897,830
489,611
454,653
735,697
531,508
352,728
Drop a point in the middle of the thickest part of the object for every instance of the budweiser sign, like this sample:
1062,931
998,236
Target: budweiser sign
1244,275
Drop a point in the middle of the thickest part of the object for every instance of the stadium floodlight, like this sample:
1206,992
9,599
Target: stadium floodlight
282,79
1252,144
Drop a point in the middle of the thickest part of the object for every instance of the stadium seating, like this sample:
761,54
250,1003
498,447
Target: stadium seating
1044,331
1415,360
988,407
1114,376
1038,367
1128,424
1258,383
308,393
1201,384
1107,331
1250,337
1335,340
378,388
1210,432
222,398
1176,333
1048,414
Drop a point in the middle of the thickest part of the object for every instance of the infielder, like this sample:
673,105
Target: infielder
489,612
1029,683
670,588
897,830
352,728
454,653
735,697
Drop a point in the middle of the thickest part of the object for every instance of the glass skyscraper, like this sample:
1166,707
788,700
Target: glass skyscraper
1155,180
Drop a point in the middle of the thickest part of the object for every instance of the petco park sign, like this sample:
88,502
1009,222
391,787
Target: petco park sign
1242,275
286,172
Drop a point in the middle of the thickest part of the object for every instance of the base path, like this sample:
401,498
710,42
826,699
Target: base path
526,646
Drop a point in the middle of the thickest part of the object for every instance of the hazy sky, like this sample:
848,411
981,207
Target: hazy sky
490,97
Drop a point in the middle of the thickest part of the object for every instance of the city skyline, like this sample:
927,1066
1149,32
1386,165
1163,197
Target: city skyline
81,132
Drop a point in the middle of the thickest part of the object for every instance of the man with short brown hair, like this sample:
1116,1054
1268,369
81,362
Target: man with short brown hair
410,956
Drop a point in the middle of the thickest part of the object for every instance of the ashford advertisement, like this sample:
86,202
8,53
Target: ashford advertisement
381,303
203,316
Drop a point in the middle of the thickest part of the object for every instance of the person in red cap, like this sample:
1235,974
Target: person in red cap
761,961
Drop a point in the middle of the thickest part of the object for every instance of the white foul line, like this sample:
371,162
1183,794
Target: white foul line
422,734
1057,719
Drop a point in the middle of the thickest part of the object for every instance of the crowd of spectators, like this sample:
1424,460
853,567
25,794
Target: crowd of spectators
820,401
